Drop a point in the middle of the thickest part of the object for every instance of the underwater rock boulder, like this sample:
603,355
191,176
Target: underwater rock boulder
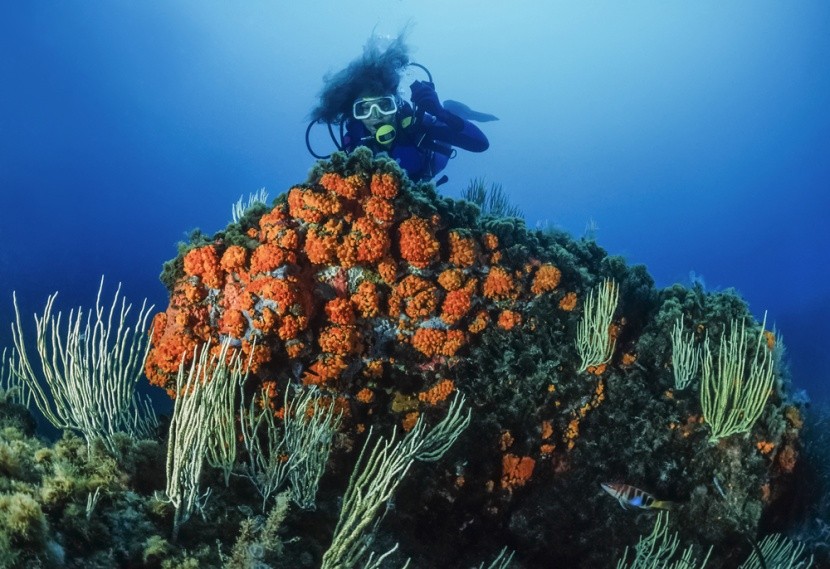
390,297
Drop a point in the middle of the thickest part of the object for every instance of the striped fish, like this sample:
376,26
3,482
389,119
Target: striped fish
630,497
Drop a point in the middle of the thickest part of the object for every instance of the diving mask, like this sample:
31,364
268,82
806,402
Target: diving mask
363,107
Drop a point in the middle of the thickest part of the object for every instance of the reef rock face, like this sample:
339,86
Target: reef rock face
390,297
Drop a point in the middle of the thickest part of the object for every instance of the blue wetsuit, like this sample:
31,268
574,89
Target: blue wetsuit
421,147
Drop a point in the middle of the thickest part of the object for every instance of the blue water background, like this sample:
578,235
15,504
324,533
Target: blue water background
693,137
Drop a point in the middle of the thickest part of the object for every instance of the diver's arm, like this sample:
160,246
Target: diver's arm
458,132
355,131
443,126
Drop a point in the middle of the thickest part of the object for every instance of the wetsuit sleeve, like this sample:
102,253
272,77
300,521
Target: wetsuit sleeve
354,133
456,131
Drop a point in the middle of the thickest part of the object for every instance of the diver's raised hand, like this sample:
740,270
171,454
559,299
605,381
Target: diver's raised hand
425,98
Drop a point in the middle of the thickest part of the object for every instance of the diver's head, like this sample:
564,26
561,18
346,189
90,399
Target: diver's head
377,113
377,72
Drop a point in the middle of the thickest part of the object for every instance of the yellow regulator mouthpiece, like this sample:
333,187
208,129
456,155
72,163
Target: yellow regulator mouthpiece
385,134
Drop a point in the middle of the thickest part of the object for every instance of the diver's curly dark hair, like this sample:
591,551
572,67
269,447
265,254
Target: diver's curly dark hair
377,71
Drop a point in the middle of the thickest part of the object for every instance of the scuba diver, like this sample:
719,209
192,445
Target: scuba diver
363,100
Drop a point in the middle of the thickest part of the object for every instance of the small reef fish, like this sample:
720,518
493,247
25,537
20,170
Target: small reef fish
630,497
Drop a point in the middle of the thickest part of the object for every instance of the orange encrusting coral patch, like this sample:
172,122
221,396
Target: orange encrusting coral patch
479,323
268,257
414,296
417,242
203,262
379,210
547,449
568,302
547,430
233,323
388,270
429,341
628,359
365,395
786,458
546,279
384,186
351,187
456,305
438,392
572,433
516,470
341,340
491,242
283,293
367,299
499,285
765,447
233,259
769,337
455,340
410,420
325,369
462,250
320,246
171,342
276,226
508,319
340,311
370,241
451,279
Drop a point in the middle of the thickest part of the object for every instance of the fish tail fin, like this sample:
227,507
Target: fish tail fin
662,505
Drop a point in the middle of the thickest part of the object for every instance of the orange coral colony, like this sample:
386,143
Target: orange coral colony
336,264
516,471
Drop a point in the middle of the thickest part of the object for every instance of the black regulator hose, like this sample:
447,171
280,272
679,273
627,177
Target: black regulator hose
419,113
429,75
331,134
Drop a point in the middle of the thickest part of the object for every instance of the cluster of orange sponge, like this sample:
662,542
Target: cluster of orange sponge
336,264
